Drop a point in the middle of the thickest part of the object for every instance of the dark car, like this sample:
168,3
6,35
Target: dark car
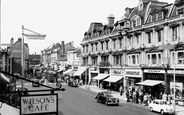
106,98
73,83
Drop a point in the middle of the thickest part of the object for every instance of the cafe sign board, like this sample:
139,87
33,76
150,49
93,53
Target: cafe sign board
38,104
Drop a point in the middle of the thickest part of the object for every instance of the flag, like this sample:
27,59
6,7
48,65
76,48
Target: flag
35,36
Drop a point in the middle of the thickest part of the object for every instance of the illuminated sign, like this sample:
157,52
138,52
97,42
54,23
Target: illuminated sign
35,104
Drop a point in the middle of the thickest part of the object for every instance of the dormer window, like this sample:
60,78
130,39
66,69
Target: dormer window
136,22
140,6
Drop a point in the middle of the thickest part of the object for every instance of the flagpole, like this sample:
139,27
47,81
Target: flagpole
22,56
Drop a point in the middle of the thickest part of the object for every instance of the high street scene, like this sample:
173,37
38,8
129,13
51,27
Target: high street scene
63,58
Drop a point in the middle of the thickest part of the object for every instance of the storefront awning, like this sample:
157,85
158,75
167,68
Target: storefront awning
71,72
67,71
80,71
100,76
150,82
4,79
113,78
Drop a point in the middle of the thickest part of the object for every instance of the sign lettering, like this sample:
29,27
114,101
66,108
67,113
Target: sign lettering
116,71
38,104
154,71
176,71
133,73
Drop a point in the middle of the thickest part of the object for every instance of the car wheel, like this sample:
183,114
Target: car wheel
98,100
151,109
162,112
106,103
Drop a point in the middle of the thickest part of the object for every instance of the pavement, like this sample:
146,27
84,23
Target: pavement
179,109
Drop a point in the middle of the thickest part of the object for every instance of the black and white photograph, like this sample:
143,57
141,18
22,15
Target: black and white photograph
91,57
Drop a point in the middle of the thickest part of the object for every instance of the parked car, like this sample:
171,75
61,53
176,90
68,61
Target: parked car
106,98
161,106
34,84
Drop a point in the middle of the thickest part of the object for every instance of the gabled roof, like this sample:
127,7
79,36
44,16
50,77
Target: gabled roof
78,50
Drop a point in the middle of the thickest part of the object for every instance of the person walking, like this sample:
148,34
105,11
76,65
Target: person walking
121,90
146,99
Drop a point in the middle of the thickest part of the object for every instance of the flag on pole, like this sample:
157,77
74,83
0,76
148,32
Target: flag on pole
35,36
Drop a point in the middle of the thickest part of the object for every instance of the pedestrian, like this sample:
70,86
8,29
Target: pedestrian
107,87
146,99
127,96
110,88
100,85
121,90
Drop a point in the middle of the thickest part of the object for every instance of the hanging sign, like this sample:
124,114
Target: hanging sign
37,104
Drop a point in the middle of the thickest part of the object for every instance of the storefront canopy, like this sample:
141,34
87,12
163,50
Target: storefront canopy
67,71
113,78
71,73
100,76
150,82
4,79
80,71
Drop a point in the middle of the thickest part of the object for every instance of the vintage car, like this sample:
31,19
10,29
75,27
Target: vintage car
73,83
106,98
161,106
34,84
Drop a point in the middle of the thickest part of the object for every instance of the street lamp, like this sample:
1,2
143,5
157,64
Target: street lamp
34,36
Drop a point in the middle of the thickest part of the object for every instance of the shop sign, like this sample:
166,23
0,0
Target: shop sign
37,104
154,71
116,71
179,86
133,73
176,71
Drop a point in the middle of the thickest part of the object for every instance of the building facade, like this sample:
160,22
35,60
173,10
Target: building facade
56,55
145,44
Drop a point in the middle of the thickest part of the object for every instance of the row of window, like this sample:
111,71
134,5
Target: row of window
153,59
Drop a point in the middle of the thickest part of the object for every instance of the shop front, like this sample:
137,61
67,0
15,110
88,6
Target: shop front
153,82
103,73
133,76
179,82
93,72
115,80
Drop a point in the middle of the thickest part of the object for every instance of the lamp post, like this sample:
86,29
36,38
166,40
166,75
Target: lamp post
174,78
34,36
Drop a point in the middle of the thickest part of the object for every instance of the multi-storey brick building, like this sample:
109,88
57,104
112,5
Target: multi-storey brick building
139,47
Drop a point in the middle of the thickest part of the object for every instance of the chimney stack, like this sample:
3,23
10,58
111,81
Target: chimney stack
110,20
12,41
63,47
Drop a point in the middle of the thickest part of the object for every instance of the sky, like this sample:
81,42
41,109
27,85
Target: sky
60,20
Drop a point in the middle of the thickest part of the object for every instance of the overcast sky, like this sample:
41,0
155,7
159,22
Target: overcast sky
60,20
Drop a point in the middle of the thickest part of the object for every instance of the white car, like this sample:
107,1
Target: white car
161,106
